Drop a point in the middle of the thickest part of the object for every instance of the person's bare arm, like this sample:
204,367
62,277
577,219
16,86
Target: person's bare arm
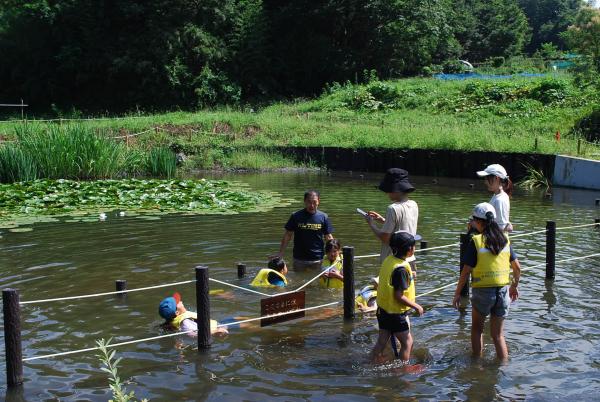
287,236
328,236
400,296
513,291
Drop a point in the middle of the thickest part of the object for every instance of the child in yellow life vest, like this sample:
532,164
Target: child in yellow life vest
366,300
273,276
489,258
178,318
396,297
333,265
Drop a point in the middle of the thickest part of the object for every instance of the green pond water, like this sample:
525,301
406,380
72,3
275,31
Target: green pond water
553,331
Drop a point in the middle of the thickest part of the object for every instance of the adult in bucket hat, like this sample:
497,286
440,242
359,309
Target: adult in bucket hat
401,214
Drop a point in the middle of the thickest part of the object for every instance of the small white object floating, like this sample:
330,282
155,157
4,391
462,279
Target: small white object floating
122,213
102,216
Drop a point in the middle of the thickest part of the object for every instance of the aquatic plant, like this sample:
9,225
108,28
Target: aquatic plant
23,202
111,366
535,178
15,164
161,162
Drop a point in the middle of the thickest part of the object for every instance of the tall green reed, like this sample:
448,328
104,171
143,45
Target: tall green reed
161,162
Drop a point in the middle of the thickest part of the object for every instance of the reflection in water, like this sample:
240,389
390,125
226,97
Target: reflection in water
548,296
321,357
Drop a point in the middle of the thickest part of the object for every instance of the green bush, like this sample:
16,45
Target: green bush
550,90
589,126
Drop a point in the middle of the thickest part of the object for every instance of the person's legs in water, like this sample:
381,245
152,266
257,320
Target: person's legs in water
382,340
406,344
477,324
497,333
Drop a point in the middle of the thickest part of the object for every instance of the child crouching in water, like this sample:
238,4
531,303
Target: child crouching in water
333,266
489,258
178,318
366,300
273,276
396,297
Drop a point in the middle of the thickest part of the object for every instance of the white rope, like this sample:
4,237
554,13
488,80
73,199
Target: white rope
437,289
114,345
134,135
578,226
526,234
239,287
307,283
278,314
107,293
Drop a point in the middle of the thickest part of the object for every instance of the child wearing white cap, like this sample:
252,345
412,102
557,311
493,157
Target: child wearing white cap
489,258
498,182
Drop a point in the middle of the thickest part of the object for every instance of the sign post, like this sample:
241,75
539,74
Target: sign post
282,304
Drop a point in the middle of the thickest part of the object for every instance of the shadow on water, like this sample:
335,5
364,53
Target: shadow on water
321,357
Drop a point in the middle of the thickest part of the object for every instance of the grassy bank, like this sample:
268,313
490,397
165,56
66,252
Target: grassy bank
510,115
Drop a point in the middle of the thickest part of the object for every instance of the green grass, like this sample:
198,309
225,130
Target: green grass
516,115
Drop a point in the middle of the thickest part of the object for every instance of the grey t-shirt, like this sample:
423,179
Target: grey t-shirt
401,215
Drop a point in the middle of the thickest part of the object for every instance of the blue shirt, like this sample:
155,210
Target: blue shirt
309,230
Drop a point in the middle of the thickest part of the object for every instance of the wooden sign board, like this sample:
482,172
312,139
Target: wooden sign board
281,304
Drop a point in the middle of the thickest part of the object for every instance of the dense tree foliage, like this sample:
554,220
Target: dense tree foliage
116,55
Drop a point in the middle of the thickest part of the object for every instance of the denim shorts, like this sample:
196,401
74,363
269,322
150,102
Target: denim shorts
491,300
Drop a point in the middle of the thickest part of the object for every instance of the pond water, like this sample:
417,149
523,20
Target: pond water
553,331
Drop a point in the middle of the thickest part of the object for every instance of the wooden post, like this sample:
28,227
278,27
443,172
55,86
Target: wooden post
120,285
597,222
127,140
423,245
348,270
241,270
464,241
203,308
12,337
550,249
535,145
22,111
579,146
597,201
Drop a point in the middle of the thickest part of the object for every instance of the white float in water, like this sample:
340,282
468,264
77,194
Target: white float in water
102,216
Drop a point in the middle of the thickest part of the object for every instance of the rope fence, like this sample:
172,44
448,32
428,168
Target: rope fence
12,314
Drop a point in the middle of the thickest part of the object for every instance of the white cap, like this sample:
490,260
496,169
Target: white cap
480,211
375,280
493,170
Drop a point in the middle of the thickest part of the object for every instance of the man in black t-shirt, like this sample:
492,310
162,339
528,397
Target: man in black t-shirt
309,228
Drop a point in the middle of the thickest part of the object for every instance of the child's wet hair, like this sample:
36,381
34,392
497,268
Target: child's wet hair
332,244
276,264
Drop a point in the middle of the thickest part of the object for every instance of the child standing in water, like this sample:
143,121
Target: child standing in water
488,259
498,182
333,264
396,297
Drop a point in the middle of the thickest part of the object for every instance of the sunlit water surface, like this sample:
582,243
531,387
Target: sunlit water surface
553,331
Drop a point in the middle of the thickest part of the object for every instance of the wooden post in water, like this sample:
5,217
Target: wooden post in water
348,270
597,201
597,222
550,249
464,241
424,245
12,337
241,268
579,146
120,285
203,308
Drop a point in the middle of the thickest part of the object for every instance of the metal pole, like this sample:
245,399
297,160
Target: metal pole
348,270
203,308
241,270
120,285
550,249
12,337
464,241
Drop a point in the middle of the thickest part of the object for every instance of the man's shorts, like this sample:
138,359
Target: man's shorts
392,322
491,300
302,264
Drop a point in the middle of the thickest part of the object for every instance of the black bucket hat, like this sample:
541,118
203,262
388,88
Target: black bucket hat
396,180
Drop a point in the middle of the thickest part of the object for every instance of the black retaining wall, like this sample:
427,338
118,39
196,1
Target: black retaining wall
422,162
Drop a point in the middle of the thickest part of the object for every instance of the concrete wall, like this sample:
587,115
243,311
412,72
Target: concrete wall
576,172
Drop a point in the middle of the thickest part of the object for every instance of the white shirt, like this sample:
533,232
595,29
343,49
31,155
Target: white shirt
501,203
402,215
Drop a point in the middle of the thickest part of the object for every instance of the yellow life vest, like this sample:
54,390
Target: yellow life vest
385,292
190,315
262,278
365,295
336,283
491,270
